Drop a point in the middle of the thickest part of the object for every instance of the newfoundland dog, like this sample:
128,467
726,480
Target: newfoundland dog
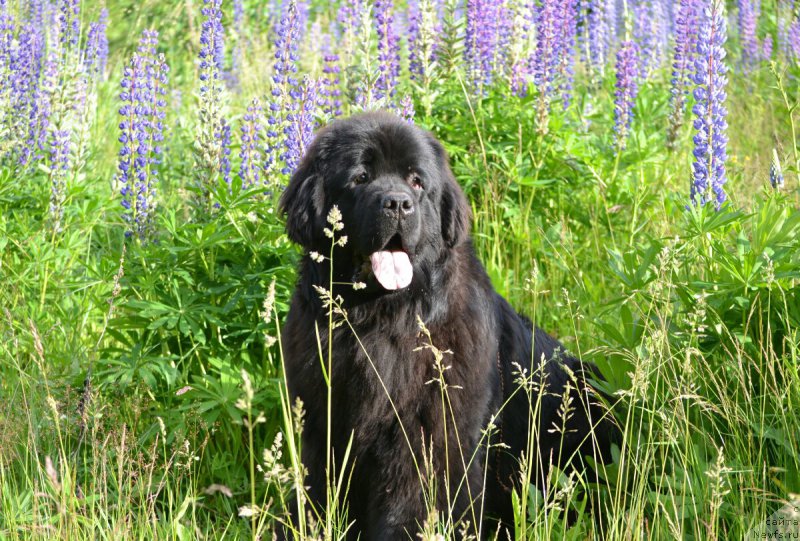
421,434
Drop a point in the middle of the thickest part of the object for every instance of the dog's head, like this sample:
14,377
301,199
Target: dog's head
400,204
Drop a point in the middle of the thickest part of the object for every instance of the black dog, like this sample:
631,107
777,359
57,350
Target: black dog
407,225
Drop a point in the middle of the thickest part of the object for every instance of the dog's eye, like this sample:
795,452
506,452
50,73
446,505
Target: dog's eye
416,182
361,179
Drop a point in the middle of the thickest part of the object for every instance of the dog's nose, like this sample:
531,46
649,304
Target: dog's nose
398,202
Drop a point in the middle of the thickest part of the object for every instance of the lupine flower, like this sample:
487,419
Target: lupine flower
95,57
794,38
233,76
283,83
59,171
39,113
682,62
568,30
213,137
144,85
648,33
627,88
522,24
69,21
545,59
406,110
225,150
349,17
388,50
710,76
597,35
748,21
250,152
300,125
7,28
24,71
329,87
481,41
775,172
766,48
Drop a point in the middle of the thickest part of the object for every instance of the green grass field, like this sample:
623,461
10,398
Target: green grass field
141,388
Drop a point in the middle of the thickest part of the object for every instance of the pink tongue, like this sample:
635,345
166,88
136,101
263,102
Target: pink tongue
392,269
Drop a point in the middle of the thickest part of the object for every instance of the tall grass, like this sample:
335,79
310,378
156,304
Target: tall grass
141,385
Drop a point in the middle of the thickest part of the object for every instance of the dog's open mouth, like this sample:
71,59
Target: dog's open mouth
391,265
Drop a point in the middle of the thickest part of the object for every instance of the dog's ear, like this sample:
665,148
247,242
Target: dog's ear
455,211
303,201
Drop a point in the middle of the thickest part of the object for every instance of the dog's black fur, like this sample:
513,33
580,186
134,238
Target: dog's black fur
354,164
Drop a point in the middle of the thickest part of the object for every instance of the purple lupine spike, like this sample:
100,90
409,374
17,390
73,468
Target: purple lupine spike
250,152
300,125
237,59
710,78
522,29
60,145
329,87
481,41
766,48
286,47
144,85
568,30
597,35
225,150
406,110
414,23
775,172
95,57
627,68
388,50
41,111
794,39
748,22
284,82
25,67
686,22
544,61
212,45
69,21
648,23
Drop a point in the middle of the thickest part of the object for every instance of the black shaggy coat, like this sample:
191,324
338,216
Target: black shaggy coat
386,387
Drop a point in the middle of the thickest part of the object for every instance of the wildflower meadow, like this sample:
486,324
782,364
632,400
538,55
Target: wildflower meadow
634,175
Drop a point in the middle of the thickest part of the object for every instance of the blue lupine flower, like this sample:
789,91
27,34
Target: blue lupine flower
568,30
329,87
545,59
225,150
69,20
284,84
748,21
300,125
388,50
95,58
237,61
144,85
775,172
597,35
406,110
481,41
682,62
213,133
794,38
649,34
711,139
59,171
627,88
250,152
212,46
